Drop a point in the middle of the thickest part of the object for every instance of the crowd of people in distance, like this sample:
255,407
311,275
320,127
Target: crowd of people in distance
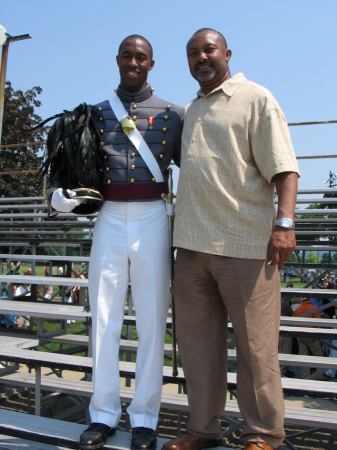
309,307
69,294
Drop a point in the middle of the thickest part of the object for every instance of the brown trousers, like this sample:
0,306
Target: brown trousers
208,289
307,346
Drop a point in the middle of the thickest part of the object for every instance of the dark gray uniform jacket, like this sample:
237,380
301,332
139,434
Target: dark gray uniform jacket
159,122
126,175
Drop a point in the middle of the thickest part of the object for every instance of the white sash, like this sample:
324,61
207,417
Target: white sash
137,139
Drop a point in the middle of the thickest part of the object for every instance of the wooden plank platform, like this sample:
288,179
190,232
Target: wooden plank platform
66,434
291,386
14,443
18,342
46,310
57,433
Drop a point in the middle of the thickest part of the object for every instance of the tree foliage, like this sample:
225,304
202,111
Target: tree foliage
16,180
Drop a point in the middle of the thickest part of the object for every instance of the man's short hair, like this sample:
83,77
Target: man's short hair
139,37
209,29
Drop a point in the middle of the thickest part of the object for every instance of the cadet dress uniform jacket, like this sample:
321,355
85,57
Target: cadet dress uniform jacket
160,124
131,244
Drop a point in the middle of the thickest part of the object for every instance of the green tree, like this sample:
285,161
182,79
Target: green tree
311,257
17,164
329,258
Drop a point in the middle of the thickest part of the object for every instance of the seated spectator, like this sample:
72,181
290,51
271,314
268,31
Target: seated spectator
308,346
9,320
48,288
317,302
330,312
23,290
14,268
70,295
330,374
77,290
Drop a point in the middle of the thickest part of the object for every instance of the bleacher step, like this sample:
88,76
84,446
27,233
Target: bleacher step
14,443
49,434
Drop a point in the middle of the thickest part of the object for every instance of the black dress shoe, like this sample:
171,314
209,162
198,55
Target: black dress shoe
143,439
95,435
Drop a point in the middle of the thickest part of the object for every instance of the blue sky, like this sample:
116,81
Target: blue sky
288,46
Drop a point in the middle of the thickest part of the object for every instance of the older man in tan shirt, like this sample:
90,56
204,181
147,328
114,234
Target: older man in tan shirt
236,150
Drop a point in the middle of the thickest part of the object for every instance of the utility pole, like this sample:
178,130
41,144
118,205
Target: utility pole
5,40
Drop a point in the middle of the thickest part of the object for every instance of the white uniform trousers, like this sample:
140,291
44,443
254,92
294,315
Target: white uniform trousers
130,243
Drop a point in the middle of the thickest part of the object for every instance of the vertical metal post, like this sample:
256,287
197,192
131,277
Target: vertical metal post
4,58
38,390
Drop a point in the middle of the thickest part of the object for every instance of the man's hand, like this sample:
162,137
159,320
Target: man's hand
61,203
282,241
281,244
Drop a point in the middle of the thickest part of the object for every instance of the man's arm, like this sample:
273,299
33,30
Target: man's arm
282,241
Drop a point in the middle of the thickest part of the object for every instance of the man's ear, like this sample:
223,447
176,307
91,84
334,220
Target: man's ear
151,65
228,54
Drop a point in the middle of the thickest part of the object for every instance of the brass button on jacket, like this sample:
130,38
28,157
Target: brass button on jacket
133,167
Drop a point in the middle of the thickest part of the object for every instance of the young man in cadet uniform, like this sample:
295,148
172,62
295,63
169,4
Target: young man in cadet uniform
130,244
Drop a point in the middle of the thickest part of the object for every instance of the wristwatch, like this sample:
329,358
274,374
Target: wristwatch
285,223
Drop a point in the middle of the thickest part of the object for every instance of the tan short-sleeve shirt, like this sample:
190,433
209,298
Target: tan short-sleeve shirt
235,140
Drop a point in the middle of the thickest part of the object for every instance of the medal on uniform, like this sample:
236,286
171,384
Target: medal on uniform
127,124
150,122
